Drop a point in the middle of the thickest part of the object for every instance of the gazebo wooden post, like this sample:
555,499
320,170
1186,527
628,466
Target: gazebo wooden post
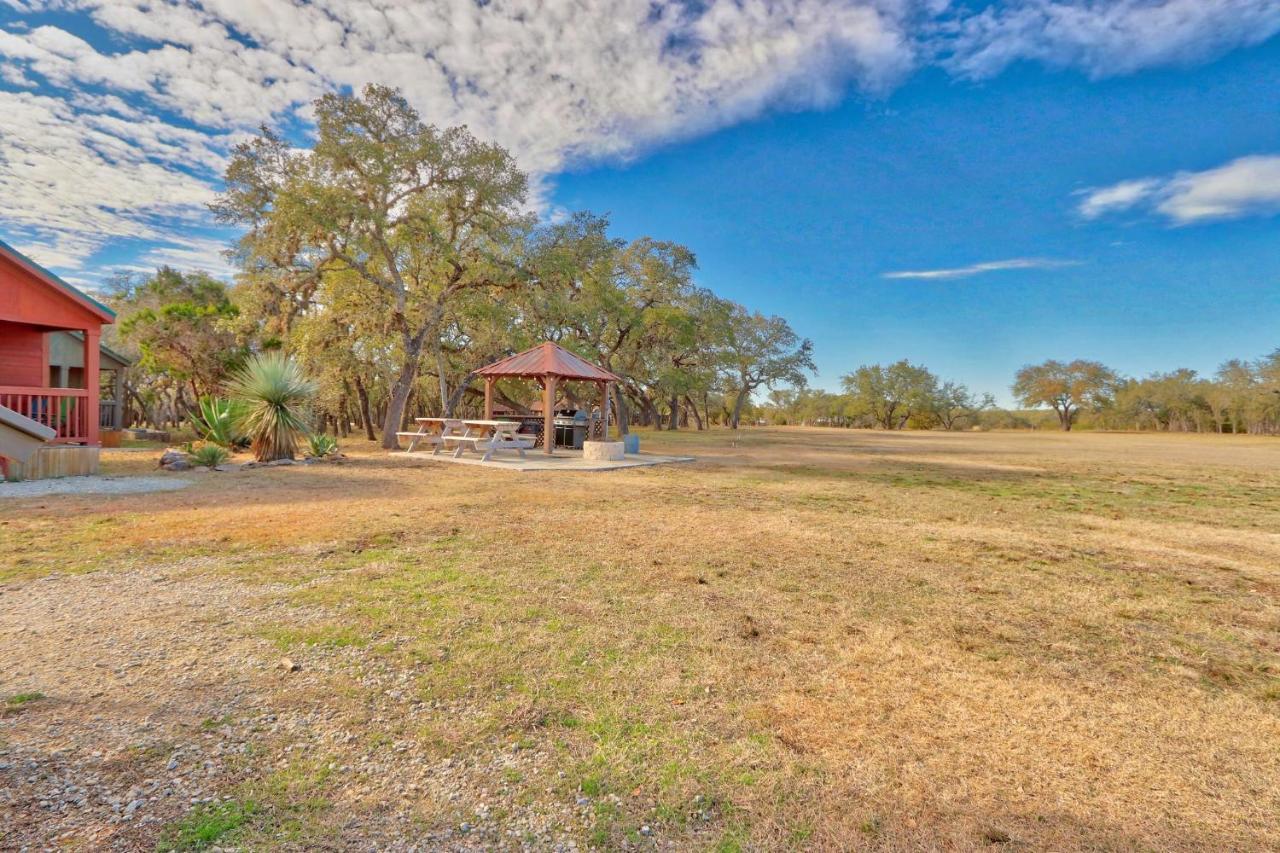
604,411
548,414
488,398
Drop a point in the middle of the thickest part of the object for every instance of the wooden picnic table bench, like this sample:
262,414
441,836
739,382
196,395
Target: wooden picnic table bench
487,435
490,436
431,431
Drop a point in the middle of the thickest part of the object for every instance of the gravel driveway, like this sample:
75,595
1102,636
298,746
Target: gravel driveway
91,486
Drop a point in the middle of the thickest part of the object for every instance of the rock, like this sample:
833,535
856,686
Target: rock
170,456
178,465
289,665
224,468
646,831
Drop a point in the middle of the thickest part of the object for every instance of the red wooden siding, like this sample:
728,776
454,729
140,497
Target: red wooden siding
22,355
33,302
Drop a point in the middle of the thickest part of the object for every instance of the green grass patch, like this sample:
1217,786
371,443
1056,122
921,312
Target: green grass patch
206,825
324,636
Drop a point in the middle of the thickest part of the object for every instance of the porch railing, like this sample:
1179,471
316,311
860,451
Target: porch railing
65,410
107,414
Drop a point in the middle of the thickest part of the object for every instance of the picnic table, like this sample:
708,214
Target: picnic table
489,436
431,431
462,435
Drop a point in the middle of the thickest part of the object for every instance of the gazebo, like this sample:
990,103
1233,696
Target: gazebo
550,364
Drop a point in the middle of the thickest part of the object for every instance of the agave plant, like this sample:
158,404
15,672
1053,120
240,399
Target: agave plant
273,392
216,420
321,445
209,455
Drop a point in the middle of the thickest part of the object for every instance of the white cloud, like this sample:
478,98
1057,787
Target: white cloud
71,181
1243,187
987,266
1107,37
127,133
1249,185
193,253
1121,196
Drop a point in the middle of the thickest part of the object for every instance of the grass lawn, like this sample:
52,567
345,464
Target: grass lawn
807,639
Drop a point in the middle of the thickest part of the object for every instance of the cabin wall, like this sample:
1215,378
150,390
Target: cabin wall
23,355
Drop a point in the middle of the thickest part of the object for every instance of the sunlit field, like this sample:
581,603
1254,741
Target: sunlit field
807,639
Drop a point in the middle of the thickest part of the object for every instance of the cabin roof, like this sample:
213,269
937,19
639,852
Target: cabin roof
43,275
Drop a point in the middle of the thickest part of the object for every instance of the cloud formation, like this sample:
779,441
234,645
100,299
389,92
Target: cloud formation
119,131
1108,37
1243,187
987,266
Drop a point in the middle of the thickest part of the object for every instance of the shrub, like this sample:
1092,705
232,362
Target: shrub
272,390
321,445
209,455
216,419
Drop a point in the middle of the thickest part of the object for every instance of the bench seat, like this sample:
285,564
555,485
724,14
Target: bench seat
416,438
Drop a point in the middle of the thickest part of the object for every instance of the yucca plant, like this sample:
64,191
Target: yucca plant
321,445
273,391
209,455
216,420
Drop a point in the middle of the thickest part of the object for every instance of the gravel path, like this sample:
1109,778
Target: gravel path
91,486
117,743
155,690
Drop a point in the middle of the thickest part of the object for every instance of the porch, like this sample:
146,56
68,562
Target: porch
67,411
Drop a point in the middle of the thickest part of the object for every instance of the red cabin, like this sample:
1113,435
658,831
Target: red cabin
35,305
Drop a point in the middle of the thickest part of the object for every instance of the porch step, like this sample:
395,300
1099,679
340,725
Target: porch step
56,460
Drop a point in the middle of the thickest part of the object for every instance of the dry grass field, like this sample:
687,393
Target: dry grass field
811,639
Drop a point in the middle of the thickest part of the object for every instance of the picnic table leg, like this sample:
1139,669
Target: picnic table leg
493,445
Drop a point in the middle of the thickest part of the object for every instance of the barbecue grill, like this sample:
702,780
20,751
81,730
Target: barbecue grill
571,428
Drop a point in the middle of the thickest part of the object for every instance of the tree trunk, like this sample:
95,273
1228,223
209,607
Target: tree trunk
651,415
623,421
400,394
365,415
697,418
673,419
456,397
737,407
444,381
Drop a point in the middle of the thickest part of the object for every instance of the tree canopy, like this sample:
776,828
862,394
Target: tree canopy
1065,387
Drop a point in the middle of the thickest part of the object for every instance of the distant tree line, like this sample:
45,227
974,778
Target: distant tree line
394,258
1241,397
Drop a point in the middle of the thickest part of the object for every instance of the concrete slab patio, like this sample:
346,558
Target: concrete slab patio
563,460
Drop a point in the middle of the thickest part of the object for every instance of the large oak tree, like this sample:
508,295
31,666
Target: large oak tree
1066,387
417,215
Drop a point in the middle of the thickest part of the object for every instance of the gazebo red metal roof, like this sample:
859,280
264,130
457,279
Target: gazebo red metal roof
548,359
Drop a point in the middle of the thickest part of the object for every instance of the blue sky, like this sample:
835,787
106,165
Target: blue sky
803,214
969,185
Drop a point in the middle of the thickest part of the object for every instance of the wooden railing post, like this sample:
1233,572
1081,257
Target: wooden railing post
92,384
